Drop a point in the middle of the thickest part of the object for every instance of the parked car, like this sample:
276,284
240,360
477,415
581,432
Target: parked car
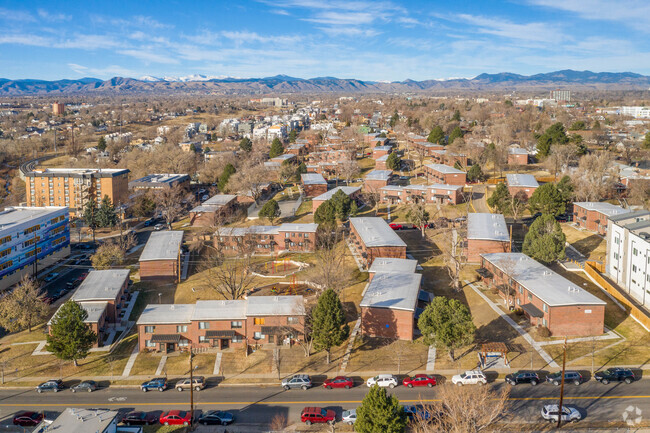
417,413
349,416
396,226
54,385
419,380
382,380
569,376
522,377
550,412
175,417
159,383
339,382
28,419
86,385
140,418
51,277
216,417
313,415
158,227
148,222
198,383
205,197
470,377
615,374
297,381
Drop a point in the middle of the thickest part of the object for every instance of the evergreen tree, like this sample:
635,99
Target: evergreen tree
475,173
437,135
293,135
325,215
90,214
246,144
500,199
456,116
106,215
596,125
394,162
394,119
447,324
341,202
143,206
380,413
547,200
276,148
544,145
646,141
70,338
329,328
455,133
578,125
228,171
270,211
565,188
101,144
545,241
192,148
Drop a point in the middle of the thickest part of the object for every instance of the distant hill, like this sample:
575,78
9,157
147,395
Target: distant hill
202,84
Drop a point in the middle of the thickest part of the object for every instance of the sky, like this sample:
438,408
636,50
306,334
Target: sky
364,39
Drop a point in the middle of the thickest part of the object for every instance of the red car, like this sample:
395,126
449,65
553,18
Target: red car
28,419
339,382
313,415
396,226
175,417
420,380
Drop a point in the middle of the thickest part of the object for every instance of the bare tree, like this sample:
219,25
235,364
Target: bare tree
250,179
560,159
419,216
278,422
452,247
108,255
169,202
232,277
349,169
518,204
594,177
331,269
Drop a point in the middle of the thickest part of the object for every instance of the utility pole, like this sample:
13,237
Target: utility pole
191,386
559,412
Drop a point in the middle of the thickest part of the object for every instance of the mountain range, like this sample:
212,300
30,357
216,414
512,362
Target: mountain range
283,84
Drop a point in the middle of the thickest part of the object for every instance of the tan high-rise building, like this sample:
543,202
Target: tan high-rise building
58,108
73,187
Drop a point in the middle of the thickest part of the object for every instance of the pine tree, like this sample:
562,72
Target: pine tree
106,215
270,211
325,215
276,148
475,173
500,198
380,413
437,135
101,144
447,324
646,141
545,241
394,162
90,214
293,135
456,133
565,188
228,171
246,144
70,338
547,200
329,328
456,116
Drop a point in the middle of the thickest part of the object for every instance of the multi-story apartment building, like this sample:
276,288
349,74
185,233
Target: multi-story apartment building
31,238
521,184
73,187
428,194
372,237
58,108
267,239
486,233
593,215
628,253
377,179
440,173
313,184
161,256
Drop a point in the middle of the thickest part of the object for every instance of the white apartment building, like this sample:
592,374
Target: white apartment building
636,112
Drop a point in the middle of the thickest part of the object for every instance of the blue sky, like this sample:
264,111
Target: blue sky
365,39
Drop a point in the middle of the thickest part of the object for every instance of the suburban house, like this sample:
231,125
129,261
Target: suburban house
160,181
428,194
222,324
267,239
486,233
628,254
376,179
351,191
517,156
372,237
217,209
546,298
392,265
161,256
521,184
313,184
594,215
439,173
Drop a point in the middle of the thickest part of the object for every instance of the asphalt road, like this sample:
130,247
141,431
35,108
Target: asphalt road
257,405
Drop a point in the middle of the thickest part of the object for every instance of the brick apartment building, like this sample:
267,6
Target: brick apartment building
486,233
444,174
449,158
593,215
521,184
546,298
73,187
267,239
377,179
420,145
298,149
372,237
392,265
161,256
222,324
160,181
517,156
313,184
428,194
220,208
354,192
379,151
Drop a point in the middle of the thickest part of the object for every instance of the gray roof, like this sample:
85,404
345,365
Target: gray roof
379,174
393,290
329,194
166,313
312,179
630,215
638,227
487,226
219,310
517,151
241,231
76,420
547,285
386,148
94,310
445,186
605,208
153,180
214,203
393,265
442,168
275,306
375,232
383,157
525,180
296,227
13,216
163,245
101,285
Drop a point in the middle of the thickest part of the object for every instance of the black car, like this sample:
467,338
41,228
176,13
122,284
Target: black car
569,376
86,385
522,377
54,385
140,418
216,417
614,375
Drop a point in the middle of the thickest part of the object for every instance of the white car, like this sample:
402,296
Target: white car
569,414
158,227
382,380
470,377
349,416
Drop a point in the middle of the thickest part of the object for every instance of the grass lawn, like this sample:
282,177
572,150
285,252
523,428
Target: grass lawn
589,244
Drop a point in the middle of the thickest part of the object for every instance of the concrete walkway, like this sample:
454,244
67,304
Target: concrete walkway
161,365
217,364
611,335
39,348
356,257
129,364
348,350
545,356
431,358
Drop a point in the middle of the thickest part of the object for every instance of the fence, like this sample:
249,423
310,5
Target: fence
545,179
495,180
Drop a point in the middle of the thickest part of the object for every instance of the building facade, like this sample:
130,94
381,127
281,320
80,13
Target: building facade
444,174
313,184
161,256
372,237
267,240
160,181
594,216
486,233
427,194
525,184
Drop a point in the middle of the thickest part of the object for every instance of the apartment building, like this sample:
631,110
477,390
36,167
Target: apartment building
160,181
161,256
216,210
517,156
372,237
379,151
73,187
58,108
267,239
546,298
449,158
444,174
628,254
313,184
222,324
31,239
377,179
428,194
392,265
525,184
421,145
486,233
593,216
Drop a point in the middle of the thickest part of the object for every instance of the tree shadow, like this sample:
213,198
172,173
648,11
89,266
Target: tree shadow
588,245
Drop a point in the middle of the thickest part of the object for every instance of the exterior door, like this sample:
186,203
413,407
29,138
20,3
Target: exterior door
170,347
224,343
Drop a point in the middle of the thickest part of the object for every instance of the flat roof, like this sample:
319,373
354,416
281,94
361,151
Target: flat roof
241,231
312,179
634,214
78,172
487,226
398,291
442,168
445,186
547,285
525,180
94,310
329,194
284,157
101,285
375,232
381,148
517,151
153,180
219,310
638,227
77,420
393,265
379,174
298,227
166,313
214,203
162,245
383,157
15,215
605,208
275,306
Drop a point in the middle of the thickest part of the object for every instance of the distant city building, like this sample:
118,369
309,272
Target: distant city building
58,108
561,95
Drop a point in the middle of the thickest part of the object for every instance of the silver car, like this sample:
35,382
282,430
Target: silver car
349,416
569,414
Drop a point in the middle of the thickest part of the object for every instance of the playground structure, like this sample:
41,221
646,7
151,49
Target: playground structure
284,288
279,268
493,355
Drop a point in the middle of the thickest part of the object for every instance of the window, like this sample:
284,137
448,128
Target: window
235,324
258,336
543,322
292,320
183,342
5,252
181,328
149,343
287,234
202,339
258,321
6,265
204,325
5,239
236,339
635,251
149,329
634,268
521,290
306,235
32,229
530,296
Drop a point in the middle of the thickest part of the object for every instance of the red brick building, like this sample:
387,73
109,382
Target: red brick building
546,298
449,158
428,194
219,208
377,179
420,145
517,156
353,192
267,240
521,184
313,184
380,151
372,237
486,233
161,256
439,173
593,215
